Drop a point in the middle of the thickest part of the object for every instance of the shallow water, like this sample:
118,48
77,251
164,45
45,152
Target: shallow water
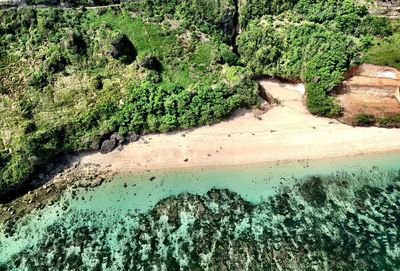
253,182
118,209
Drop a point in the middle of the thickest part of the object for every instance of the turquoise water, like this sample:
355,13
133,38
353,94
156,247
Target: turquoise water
118,208
253,182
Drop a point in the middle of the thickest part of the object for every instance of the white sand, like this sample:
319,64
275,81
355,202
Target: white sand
286,132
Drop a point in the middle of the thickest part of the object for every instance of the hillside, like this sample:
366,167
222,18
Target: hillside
72,76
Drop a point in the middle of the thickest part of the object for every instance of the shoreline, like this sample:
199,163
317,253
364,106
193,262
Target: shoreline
286,132
225,166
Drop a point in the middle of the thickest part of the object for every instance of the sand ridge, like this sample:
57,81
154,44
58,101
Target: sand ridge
285,132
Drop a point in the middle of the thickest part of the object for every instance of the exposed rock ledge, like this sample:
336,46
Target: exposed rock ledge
77,175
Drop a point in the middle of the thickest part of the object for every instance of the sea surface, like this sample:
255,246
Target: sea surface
333,214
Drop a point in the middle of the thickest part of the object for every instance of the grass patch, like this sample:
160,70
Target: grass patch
385,52
186,60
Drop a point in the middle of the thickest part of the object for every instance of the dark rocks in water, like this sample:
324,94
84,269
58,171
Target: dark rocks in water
108,145
122,49
329,233
313,191
152,178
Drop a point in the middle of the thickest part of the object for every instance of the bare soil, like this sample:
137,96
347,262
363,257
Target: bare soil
369,89
356,103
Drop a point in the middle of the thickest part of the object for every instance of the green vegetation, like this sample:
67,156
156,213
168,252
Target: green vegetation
363,119
214,17
71,77
391,121
314,41
385,50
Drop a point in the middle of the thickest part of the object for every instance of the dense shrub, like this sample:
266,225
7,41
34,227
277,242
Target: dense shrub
122,49
255,9
261,48
154,108
38,79
363,119
215,17
389,121
76,42
56,62
150,62
306,52
315,41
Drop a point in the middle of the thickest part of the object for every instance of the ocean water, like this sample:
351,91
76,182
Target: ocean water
331,214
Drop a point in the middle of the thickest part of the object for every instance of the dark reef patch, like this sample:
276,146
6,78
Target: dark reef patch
339,222
313,191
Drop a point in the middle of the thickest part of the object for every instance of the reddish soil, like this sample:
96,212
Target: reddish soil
355,103
375,82
370,89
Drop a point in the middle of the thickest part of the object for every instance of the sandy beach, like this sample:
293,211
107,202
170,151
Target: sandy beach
286,132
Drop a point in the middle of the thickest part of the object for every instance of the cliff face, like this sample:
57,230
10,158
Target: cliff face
389,8
11,3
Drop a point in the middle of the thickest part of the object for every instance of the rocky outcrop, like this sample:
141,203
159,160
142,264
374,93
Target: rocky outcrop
151,63
73,175
388,8
11,3
117,140
108,145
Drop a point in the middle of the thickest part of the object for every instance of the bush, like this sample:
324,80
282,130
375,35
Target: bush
363,119
392,121
154,108
55,63
150,62
76,43
122,49
38,79
226,56
376,26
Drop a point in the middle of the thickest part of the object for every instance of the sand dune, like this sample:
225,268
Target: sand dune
286,132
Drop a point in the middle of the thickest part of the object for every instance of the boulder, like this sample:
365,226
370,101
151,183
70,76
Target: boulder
132,137
117,137
108,145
